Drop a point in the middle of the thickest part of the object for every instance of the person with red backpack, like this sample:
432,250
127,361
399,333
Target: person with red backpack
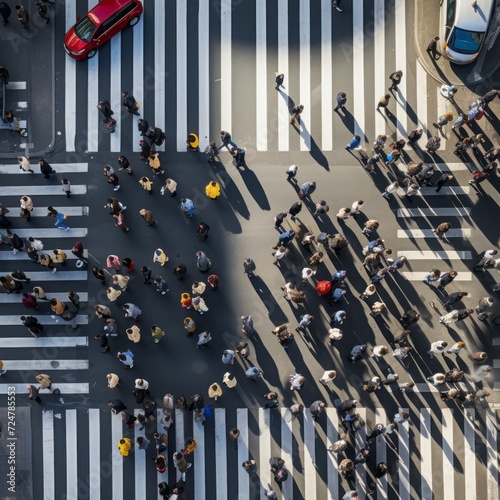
478,177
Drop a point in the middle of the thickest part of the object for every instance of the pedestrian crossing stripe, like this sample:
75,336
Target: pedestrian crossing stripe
313,90
41,190
420,276
429,233
74,232
8,255
435,255
12,298
60,342
64,387
60,168
9,320
48,276
45,364
442,442
433,212
42,211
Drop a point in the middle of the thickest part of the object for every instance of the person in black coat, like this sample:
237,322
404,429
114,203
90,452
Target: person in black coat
5,12
46,169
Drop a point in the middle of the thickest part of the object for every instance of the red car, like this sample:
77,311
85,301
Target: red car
102,23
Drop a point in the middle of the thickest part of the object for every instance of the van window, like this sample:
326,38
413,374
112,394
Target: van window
450,12
125,11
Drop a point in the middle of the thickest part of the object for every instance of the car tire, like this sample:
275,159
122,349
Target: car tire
134,21
91,53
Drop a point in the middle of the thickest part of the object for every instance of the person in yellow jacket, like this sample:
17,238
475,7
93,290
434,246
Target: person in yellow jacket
154,163
59,256
213,190
124,445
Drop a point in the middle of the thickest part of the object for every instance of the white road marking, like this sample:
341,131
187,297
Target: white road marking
261,74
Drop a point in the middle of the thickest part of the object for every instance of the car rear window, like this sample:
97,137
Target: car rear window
464,41
85,28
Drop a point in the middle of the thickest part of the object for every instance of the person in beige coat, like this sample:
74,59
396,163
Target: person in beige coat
112,294
44,381
24,164
134,334
121,281
215,391
26,207
113,380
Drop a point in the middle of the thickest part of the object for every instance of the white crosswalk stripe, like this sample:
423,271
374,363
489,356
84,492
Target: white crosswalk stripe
272,130
63,340
307,463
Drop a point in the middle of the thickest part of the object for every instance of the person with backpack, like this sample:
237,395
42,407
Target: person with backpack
249,267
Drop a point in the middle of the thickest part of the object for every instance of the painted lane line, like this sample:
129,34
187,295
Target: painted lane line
470,454
138,78
94,116
283,99
439,255
221,479
264,448
179,435
204,74
162,476
243,453
21,342
226,66
48,276
287,450
358,71
360,442
309,456
46,364
261,74
429,233
65,388
69,86
448,446
181,74
116,458
48,453
305,73
332,424
401,94
419,276
42,211
60,168
404,462
433,212
42,190
492,455
379,49
199,460
381,453
71,454
426,452
421,88
159,58
94,454
115,91
139,461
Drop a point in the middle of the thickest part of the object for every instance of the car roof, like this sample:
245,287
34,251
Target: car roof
102,10
473,19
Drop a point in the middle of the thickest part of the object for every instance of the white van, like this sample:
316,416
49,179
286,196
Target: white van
464,24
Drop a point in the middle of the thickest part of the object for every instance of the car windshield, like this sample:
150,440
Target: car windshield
84,29
465,42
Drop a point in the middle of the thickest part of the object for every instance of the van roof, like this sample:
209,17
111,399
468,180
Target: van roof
473,19
102,10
